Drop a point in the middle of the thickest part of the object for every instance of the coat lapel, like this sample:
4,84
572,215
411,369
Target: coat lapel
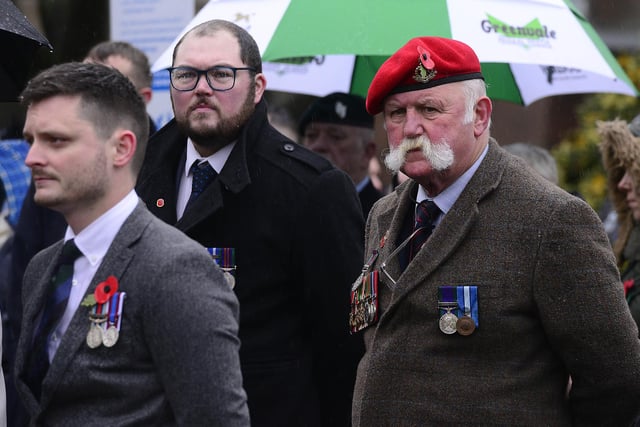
206,204
390,223
116,261
233,177
159,174
32,307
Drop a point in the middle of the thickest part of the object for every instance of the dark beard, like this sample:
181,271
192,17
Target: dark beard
227,130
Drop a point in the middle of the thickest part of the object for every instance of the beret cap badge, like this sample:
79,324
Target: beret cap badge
425,71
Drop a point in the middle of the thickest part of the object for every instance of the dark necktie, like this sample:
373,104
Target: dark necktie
426,214
54,308
203,174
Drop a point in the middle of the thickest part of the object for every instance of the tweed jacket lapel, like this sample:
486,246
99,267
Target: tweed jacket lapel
32,307
115,262
452,229
390,222
35,304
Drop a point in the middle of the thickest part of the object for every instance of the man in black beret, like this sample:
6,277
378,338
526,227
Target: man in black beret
339,128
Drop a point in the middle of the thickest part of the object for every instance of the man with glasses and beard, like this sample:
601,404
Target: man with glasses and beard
283,223
487,287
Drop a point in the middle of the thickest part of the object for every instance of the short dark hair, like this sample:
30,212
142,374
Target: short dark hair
141,70
249,52
109,100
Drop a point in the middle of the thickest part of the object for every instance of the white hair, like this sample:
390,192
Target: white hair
473,90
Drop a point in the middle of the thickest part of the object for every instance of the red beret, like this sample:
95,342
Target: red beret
422,63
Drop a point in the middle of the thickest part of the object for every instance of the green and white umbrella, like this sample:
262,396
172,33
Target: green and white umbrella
529,49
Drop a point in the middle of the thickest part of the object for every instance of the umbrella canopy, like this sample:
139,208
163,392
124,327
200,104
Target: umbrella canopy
529,49
19,41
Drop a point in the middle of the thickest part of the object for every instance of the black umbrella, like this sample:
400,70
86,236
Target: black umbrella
19,41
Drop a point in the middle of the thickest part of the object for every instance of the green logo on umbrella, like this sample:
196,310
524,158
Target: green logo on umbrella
534,30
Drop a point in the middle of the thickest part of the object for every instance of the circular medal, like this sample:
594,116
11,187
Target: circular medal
372,312
448,323
368,317
230,279
465,325
110,337
94,337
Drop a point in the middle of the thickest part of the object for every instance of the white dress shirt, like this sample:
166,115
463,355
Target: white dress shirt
216,160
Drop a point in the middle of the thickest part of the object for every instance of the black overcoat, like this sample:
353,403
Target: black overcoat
296,224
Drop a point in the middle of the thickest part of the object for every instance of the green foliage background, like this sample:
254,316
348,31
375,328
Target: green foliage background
578,155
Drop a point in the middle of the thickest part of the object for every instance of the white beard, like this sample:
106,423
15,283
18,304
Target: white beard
439,155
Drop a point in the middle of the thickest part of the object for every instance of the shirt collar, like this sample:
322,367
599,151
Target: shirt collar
216,160
95,239
448,197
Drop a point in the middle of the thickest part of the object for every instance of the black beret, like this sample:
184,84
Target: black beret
340,108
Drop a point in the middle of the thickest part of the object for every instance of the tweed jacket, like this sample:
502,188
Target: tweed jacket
296,225
176,361
550,306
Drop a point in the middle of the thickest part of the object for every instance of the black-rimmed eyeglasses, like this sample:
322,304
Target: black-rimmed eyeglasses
220,78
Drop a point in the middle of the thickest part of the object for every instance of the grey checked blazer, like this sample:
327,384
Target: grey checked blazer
176,361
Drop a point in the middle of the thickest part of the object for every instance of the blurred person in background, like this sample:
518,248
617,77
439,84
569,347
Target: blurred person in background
537,157
339,128
620,149
14,183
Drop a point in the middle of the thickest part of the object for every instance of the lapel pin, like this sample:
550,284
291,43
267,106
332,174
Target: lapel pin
160,203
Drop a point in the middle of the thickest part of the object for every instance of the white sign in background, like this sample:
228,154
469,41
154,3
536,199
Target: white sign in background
151,26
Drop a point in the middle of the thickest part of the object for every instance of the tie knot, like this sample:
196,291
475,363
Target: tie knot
70,253
201,167
426,213
202,174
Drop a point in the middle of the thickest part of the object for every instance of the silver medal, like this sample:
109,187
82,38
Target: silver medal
370,312
448,323
94,337
230,279
110,336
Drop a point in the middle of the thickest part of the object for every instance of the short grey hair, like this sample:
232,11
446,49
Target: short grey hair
537,157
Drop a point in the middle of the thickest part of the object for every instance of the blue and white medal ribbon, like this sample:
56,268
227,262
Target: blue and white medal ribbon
467,309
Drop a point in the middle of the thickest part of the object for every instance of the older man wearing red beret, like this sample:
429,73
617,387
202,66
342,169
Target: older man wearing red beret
486,287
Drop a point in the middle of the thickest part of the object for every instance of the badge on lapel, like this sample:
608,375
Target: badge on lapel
106,313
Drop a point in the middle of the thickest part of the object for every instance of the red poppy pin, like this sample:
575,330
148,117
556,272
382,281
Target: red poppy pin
628,284
425,71
103,292
425,58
